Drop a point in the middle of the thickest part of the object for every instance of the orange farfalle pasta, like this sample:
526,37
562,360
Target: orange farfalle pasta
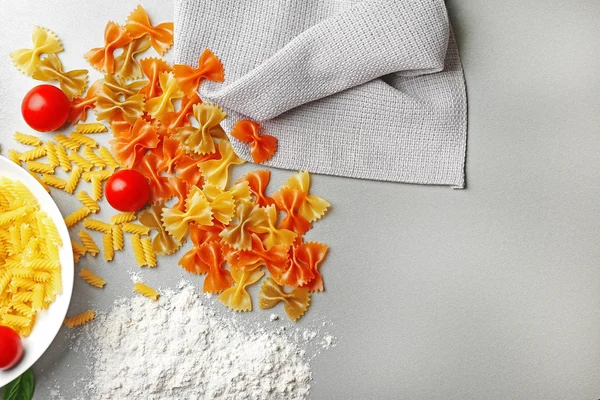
290,200
80,105
209,67
170,152
297,272
275,258
217,279
164,102
138,24
180,189
130,145
171,121
152,68
274,236
188,169
262,147
312,254
109,106
44,42
197,209
160,188
191,261
258,180
249,218
163,243
72,83
295,303
237,298
313,207
126,66
216,171
102,58
200,140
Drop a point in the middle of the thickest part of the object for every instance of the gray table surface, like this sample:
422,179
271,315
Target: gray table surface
488,293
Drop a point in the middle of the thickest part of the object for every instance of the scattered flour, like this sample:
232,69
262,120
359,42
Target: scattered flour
179,348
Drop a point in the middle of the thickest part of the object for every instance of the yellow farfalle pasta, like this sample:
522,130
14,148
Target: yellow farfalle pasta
170,91
30,273
29,140
248,218
216,172
146,290
96,225
88,202
149,255
110,106
92,157
80,319
126,66
61,154
200,140
88,243
275,236
33,154
44,42
72,83
53,181
91,278
39,167
121,218
73,179
110,161
237,298
93,127
313,207
117,237
77,216
107,243
222,203
197,209
138,250
295,303
135,229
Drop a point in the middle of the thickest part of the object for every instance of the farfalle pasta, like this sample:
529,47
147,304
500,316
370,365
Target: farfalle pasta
102,58
217,278
262,147
258,180
163,243
295,303
80,105
171,121
290,200
197,209
170,152
130,146
313,207
209,67
160,188
191,260
274,236
138,24
237,298
249,218
109,106
152,69
216,171
72,83
274,259
126,66
164,102
200,140
44,42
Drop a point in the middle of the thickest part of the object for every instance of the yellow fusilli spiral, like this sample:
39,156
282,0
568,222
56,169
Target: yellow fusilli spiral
91,278
96,225
117,237
138,250
80,319
88,243
63,159
149,254
51,154
101,175
146,290
39,167
73,180
29,140
67,142
53,181
14,156
92,157
136,229
83,140
93,127
77,216
82,162
87,201
96,188
33,154
121,218
109,250
108,158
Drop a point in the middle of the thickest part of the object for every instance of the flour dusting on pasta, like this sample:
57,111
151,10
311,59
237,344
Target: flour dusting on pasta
132,351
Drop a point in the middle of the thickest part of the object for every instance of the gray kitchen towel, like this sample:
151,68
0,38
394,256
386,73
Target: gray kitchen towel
367,89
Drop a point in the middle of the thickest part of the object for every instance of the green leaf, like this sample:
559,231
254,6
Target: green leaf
21,388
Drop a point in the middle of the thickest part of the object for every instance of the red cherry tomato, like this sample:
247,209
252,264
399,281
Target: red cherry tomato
45,108
11,348
127,190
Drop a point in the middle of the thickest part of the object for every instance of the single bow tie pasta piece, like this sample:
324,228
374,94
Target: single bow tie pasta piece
191,260
209,67
295,302
275,258
171,121
72,83
126,66
217,279
200,140
274,236
221,203
129,146
160,188
44,42
217,171
249,218
102,58
163,243
290,200
80,105
298,272
258,180
197,209
169,152
262,147
164,102
314,207
110,106
152,68
312,254
138,24
237,298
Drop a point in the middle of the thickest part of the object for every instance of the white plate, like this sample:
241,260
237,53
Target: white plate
48,321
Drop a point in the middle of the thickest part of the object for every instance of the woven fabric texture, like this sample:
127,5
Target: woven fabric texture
366,89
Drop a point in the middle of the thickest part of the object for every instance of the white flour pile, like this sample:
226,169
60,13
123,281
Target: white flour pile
177,348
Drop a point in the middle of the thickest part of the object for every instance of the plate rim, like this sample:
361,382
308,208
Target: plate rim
46,202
